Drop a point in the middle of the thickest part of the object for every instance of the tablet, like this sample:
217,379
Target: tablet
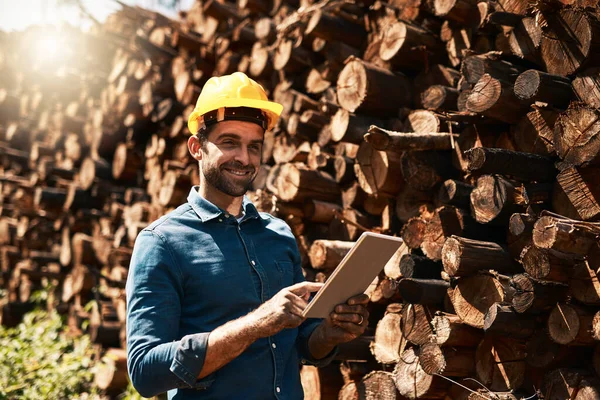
355,273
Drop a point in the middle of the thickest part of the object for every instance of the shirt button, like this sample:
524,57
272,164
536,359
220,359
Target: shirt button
253,263
278,389
220,220
274,345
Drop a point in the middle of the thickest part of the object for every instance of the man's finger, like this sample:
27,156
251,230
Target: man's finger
346,309
300,289
354,318
298,301
360,299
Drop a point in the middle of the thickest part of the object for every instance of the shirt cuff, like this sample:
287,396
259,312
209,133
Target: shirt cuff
189,360
306,357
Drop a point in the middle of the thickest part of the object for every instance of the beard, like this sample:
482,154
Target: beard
219,178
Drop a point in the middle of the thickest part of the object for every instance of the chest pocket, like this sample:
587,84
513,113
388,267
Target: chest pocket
285,271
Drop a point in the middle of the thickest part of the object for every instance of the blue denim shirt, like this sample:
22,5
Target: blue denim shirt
192,271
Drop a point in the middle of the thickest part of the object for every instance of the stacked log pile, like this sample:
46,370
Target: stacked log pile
469,128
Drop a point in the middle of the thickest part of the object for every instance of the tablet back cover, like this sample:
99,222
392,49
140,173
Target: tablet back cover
355,272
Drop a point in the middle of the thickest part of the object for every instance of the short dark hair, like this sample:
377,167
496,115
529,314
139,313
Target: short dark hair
203,134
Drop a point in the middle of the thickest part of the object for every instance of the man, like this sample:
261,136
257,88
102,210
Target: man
215,289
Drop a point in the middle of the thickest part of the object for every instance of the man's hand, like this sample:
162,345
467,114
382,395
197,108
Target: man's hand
284,310
347,321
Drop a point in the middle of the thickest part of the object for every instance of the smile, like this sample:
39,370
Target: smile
237,172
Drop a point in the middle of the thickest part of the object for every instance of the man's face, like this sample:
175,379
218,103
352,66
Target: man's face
231,156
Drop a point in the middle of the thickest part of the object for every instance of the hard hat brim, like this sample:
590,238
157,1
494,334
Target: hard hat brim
272,109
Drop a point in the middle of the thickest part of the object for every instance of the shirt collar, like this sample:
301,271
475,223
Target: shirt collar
207,210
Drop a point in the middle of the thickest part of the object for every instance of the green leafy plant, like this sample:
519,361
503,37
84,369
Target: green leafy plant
39,361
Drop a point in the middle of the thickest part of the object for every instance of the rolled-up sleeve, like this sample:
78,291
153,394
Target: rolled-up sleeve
306,329
157,359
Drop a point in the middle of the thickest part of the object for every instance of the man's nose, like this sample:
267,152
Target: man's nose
242,155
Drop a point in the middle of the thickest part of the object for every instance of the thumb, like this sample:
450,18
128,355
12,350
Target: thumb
302,289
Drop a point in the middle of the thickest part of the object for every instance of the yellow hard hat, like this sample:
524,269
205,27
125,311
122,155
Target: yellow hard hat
235,90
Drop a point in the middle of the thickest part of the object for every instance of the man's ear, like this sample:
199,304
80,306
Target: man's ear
195,147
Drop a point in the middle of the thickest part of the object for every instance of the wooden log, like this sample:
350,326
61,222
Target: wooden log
586,86
501,363
564,235
463,257
473,296
111,372
519,165
415,324
463,12
525,38
496,99
455,193
441,98
376,385
542,352
449,330
569,324
408,46
365,88
321,383
297,184
423,291
411,202
505,321
413,232
444,222
105,327
577,136
389,343
447,361
548,264
435,75
575,42
378,171
327,254
534,85
320,211
383,139
392,268
419,267
351,224
520,227
584,282
569,383
413,382
92,169
332,28
494,199
536,296
475,67
344,170
534,132
349,127
292,59
423,170
582,187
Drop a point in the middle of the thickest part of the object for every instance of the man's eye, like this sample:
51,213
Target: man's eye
255,147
